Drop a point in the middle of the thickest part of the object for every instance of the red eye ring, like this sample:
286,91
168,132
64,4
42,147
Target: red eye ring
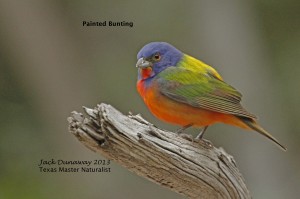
157,57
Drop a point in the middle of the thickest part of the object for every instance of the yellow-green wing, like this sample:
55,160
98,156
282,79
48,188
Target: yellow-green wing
200,90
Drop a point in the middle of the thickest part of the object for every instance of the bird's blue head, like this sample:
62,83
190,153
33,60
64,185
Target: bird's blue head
156,57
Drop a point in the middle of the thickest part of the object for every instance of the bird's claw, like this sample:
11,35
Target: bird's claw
187,137
205,142
154,131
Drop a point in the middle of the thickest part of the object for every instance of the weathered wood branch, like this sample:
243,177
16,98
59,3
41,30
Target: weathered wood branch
195,169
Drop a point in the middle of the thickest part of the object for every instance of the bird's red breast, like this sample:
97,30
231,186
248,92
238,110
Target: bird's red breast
178,113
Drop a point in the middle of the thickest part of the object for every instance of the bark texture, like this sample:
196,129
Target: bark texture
195,169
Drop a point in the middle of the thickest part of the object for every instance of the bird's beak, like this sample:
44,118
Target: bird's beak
142,63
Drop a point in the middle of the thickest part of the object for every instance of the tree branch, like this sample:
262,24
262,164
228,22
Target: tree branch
195,169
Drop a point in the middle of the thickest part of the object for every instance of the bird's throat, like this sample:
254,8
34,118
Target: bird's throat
146,72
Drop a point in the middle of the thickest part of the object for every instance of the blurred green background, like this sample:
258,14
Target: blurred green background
51,65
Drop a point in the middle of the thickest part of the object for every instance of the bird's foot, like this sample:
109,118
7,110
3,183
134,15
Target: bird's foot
199,138
154,131
200,135
180,131
206,143
187,137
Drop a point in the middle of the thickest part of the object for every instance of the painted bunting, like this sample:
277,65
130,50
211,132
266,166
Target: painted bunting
185,91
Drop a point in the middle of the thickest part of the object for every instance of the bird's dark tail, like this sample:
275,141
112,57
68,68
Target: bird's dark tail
253,125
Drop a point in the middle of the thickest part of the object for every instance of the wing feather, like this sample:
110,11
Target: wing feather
201,90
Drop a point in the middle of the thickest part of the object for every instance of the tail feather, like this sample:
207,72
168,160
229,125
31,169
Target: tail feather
253,125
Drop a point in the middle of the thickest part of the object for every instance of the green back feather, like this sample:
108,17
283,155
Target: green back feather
202,90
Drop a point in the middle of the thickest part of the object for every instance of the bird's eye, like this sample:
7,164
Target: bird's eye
157,57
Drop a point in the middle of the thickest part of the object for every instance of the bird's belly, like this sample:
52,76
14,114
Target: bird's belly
179,113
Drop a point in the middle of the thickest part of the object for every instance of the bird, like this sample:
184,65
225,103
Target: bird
182,90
